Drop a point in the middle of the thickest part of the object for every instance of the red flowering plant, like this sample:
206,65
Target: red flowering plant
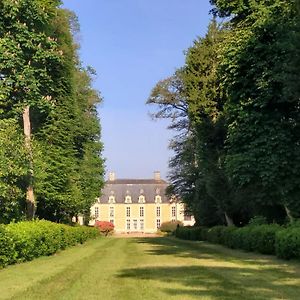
105,227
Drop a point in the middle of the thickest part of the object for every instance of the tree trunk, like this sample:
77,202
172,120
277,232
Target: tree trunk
30,201
229,221
288,213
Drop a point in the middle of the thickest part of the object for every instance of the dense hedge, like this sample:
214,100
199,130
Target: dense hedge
170,226
25,241
265,239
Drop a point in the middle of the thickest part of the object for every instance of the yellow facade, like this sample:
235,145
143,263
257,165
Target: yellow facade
134,217
137,205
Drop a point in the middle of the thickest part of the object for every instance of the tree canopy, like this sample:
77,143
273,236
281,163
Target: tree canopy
41,75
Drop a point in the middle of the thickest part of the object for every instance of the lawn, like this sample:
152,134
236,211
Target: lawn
151,268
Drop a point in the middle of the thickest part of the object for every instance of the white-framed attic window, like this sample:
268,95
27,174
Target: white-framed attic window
111,199
157,199
142,199
128,199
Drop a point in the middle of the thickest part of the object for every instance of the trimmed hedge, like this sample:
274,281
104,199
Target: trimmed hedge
288,243
192,233
25,241
170,226
265,239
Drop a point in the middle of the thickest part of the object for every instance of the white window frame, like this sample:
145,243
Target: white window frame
158,211
127,224
142,211
158,223
142,199
111,199
157,199
128,211
128,199
111,212
142,224
96,212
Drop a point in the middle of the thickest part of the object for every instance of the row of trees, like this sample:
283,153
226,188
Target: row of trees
235,105
50,153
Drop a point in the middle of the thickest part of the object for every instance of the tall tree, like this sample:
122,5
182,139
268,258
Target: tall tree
29,64
263,101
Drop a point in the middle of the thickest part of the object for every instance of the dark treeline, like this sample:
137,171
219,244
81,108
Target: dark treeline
50,152
235,106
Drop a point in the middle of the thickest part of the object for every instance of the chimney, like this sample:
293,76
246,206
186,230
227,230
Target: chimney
157,175
111,176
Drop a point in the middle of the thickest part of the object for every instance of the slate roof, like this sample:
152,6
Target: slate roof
120,188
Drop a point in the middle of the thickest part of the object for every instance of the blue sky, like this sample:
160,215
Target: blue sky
133,44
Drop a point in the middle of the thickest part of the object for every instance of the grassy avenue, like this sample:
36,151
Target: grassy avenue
151,268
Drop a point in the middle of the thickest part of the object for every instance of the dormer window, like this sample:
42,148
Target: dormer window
128,199
157,199
142,199
111,199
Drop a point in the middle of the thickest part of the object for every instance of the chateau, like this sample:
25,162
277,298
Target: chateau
137,205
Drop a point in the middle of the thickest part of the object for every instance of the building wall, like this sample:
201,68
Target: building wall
128,217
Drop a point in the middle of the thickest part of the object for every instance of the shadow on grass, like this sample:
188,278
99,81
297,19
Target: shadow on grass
204,250
215,278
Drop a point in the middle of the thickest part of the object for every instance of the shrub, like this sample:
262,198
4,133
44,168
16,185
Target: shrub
25,241
258,220
262,238
215,234
228,233
191,233
287,243
170,226
104,227
8,253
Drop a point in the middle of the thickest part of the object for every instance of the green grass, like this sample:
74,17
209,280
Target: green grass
151,268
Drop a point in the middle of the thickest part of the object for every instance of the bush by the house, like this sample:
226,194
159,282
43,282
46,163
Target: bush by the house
25,241
105,227
170,226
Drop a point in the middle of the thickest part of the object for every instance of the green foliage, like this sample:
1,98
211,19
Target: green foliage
288,243
170,226
191,233
215,234
257,220
25,241
39,68
262,115
13,171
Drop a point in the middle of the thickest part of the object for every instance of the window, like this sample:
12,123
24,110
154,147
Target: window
157,199
111,199
134,224
142,199
173,211
111,212
127,199
111,221
128,212
141,211
142,224
96,212
157,223
128,224
158,211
